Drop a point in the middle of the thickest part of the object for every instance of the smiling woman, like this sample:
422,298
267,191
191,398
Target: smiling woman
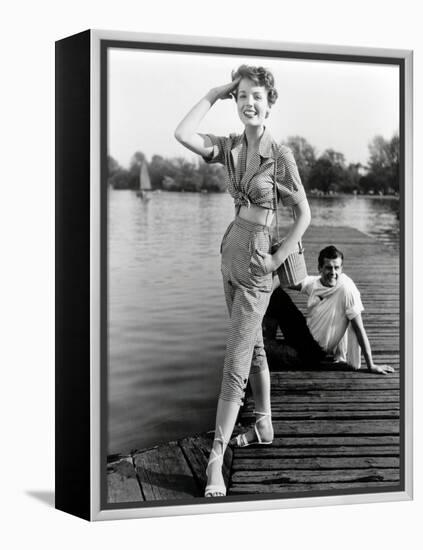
255,94
258,173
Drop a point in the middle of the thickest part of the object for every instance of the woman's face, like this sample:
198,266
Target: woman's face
252,104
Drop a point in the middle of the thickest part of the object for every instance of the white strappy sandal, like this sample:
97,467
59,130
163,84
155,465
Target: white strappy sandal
214,490
241,439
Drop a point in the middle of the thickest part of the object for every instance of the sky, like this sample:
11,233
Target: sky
334,105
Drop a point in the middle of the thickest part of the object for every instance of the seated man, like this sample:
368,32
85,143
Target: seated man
333,323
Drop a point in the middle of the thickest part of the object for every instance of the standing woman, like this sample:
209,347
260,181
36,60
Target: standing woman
247,262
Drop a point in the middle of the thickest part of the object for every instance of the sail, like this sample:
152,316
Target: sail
145,182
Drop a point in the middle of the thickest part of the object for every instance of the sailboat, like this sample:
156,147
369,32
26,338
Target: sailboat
145,182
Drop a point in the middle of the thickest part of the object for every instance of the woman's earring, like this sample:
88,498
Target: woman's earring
267,114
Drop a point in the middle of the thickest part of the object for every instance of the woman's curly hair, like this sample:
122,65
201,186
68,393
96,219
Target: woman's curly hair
261,77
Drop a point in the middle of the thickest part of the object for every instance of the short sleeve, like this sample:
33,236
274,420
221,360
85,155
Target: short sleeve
220,146
307,284
353,303
288,181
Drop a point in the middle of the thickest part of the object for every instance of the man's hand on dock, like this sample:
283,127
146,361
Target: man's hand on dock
381,369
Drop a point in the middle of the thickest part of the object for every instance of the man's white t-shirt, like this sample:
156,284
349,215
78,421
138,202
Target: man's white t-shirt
329,311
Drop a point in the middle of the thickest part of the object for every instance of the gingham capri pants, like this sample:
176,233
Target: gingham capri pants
247,293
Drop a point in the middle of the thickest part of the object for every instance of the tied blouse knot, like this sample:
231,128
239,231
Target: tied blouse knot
254,184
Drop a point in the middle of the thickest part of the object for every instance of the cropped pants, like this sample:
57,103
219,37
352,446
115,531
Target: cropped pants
247,292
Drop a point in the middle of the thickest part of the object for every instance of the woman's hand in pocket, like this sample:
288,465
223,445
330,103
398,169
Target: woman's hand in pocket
269,264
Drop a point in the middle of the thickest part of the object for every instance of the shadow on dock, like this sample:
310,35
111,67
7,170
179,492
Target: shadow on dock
175,470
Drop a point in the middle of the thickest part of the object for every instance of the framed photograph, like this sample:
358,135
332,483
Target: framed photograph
233,275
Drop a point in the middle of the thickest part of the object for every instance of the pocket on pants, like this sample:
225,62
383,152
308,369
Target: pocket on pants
259,242
225,236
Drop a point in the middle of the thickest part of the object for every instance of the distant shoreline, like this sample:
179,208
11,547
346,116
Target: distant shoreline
309,193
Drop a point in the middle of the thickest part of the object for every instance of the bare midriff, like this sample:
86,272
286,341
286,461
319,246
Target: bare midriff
256,214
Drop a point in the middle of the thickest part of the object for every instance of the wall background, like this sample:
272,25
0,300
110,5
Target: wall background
28,32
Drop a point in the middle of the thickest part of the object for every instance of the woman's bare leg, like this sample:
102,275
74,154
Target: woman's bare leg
226,416
260,388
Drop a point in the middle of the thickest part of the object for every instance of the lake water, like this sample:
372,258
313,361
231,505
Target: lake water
167,316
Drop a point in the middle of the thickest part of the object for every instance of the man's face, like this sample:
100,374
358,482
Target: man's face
330,271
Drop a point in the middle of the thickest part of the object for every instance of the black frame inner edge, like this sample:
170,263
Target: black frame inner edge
250,52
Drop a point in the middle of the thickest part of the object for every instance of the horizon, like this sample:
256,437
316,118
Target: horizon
194,158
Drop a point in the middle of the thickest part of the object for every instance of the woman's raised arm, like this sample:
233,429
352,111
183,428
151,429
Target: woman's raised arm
186,131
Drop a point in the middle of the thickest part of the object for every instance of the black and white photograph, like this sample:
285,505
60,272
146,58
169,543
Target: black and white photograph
210,284
253,281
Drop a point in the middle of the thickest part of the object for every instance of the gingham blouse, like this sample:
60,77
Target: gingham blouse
254,184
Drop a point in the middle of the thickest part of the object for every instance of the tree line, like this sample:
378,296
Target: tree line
324,174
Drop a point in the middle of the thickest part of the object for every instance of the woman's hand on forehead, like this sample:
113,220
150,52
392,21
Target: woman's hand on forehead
226,90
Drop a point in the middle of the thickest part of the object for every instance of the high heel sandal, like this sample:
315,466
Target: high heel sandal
241,439
211,489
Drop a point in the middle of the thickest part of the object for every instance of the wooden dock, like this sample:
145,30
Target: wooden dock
335,430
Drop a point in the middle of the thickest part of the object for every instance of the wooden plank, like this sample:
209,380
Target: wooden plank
333,415
313,374
280,489
164,473
329,407
277,365
304,452
311,396
122,483
313,463
369,382
353,392
276,351
197,451
379,322
388,355
375,384
365,379
336,427
313,476
331,440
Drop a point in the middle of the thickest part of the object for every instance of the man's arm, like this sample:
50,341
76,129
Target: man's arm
357,324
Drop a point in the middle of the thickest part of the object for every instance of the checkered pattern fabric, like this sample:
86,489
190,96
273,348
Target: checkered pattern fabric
253,184
247,292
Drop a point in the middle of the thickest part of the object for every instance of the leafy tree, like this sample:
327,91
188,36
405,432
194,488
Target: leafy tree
112,165
160,168
213,177
305,156
120,179
169,184
187,177
353,178
383,165
329,172
337,159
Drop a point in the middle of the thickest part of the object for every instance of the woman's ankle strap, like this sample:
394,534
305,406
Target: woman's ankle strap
263,413
220,437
